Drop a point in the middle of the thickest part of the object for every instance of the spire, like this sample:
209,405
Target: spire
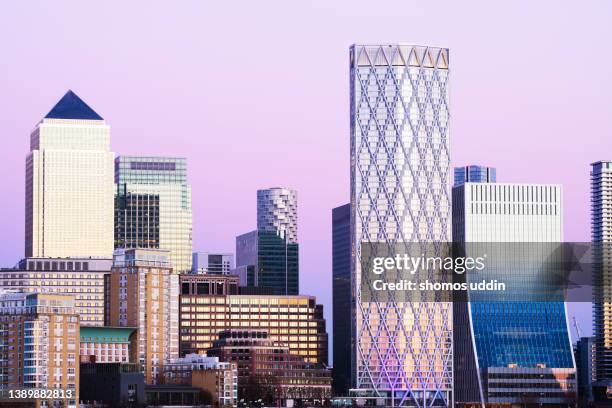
72,107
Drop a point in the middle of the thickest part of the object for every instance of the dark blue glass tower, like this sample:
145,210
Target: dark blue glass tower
341,286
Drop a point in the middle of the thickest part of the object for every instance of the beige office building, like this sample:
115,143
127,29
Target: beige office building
69,184
143,293
82,278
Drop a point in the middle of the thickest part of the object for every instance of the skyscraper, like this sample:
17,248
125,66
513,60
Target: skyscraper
341,287
601,236
268,257
475,174
277,212
519,351
69,184
264,259
400,180
153,207
144,294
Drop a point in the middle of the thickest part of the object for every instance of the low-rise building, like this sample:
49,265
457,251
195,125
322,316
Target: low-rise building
111,385
218,380
108,344
268,370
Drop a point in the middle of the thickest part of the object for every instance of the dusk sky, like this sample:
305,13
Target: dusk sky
255,94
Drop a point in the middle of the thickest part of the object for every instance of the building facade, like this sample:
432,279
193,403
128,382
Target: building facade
208,308
112,385
219,379
267,260
277,212
475,174
214,263
39,334
153,207
601,236
144,295
511,352
584,353
69,184
269,368
82,278
400,192
108,344
341,287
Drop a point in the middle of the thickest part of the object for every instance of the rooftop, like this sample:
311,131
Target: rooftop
72,107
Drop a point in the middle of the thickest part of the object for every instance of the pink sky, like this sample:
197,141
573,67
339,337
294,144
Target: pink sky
255,94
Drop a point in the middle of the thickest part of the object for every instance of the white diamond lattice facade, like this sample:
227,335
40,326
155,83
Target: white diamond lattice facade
400,192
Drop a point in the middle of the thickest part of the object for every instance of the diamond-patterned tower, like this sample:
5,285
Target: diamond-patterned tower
400,193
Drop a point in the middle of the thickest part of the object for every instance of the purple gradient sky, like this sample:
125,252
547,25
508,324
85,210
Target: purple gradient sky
255,94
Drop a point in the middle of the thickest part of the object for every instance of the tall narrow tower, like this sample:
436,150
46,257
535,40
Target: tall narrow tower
69,183
400,193
277,212
601,236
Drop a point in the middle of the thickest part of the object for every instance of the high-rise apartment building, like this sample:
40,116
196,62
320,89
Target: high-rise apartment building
144,295
209,305
601,236
277,212
400,193
81,277
266,260
153,207
39,338
475,174
210,262
69,184
518,351
341,287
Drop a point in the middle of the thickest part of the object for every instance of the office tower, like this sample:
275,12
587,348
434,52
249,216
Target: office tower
153,207
400,180
144,295
585,367
523,342
108,344
39,334
277,212
69,184
215,263
266,260
341,286
267,368
601,236
209,305
475,174
81,277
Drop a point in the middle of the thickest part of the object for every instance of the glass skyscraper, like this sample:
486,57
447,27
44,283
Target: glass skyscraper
513,351
341,287
268,257
153,207
266,260
69,184
475,174
400,193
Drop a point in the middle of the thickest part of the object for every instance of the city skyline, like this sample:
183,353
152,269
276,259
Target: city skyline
323,139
